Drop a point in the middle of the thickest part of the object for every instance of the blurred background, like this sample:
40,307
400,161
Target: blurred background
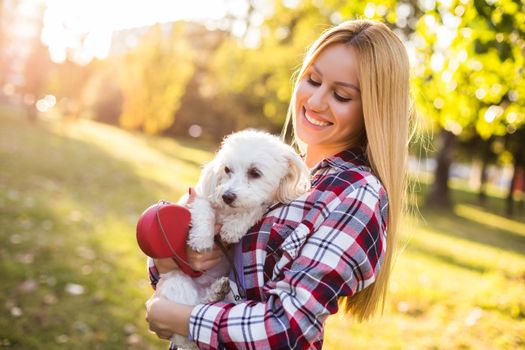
108,106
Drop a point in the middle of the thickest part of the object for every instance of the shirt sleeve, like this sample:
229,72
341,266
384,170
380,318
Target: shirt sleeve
339,259
153,273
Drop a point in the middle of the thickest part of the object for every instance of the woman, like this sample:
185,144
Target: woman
350,114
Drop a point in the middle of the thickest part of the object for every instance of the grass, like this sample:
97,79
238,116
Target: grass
72,275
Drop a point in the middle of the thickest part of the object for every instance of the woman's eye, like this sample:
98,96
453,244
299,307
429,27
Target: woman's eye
313,82
227,170
341,98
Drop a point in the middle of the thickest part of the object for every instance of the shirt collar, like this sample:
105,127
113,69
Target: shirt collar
344,160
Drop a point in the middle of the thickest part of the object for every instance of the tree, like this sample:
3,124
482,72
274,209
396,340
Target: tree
3,46
102,94
36,68
470,74
153,78
251,84
516,147
67,82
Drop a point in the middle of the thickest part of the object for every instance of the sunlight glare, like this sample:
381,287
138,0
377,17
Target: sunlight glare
47,103
85,27
370,10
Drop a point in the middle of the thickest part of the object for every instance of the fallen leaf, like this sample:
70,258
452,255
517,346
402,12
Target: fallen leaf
16,311
29,285
75,289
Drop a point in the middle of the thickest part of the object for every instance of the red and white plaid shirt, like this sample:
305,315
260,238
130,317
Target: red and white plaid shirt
299,259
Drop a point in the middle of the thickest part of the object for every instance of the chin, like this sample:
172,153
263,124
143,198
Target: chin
309,137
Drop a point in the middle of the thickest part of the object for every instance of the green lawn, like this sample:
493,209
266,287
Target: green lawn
73,277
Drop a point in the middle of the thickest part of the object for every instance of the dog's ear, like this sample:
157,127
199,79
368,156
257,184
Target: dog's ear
208,179
296,181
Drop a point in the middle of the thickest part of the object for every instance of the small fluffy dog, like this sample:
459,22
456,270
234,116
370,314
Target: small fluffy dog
252,171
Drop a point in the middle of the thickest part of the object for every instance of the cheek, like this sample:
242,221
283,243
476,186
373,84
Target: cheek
301,94
351,116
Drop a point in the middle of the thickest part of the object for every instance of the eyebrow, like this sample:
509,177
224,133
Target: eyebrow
352,86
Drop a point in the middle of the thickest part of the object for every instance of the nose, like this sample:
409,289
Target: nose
228,197
316,102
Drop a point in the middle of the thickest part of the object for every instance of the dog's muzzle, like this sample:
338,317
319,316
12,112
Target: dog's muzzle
229,197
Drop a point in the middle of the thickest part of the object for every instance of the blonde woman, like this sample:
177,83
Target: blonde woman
330,247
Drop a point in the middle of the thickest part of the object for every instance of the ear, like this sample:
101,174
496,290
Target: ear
208,179
296,181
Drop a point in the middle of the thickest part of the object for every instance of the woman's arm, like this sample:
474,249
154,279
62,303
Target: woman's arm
165,317
339,259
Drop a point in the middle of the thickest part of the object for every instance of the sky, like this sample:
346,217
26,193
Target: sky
66,21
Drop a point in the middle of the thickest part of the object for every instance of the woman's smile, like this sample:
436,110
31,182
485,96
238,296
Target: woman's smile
315,119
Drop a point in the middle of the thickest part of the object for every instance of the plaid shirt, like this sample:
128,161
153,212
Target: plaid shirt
299,259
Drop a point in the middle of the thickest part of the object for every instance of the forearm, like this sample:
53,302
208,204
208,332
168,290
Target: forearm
268,324
179,318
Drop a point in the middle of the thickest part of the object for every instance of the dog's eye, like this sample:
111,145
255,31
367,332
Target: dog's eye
254,173
227,170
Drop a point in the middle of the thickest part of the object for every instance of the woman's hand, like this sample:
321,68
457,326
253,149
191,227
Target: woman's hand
205,260
157,317
198,261
165,265
166,318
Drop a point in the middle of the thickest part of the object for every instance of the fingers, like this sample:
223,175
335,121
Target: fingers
154,323
197,257
160,332
204,255
165,265
202,261
207,265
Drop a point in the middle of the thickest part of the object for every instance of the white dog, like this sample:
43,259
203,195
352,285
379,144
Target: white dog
252,171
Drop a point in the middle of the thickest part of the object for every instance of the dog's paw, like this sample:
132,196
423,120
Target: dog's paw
231,234
233,229
218,290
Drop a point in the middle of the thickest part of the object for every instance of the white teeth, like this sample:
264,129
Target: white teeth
315,121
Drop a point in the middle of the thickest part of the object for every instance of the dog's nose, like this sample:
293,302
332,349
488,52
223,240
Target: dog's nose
228,197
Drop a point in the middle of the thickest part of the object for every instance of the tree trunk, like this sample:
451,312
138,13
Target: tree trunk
482,195
518,160
510,196
439,194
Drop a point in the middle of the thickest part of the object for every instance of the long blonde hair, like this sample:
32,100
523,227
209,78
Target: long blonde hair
384,83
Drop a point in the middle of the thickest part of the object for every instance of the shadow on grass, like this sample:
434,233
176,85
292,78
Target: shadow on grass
454,223
69,267
187,150
459,227
446,258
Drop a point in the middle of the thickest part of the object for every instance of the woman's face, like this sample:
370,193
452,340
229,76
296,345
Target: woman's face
328,109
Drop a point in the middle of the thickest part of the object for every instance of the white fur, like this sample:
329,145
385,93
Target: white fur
283,177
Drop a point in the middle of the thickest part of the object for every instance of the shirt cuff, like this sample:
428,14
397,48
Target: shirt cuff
153,273
204,324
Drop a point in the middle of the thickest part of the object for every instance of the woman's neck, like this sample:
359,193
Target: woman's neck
315,154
